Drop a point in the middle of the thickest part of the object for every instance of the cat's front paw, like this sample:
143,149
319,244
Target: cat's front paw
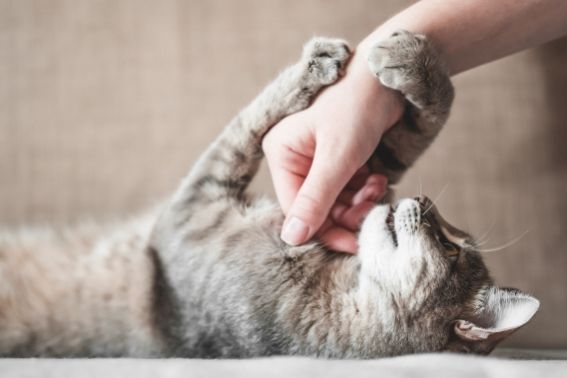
326,59
403,61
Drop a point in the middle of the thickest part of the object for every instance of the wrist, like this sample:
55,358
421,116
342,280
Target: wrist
376,100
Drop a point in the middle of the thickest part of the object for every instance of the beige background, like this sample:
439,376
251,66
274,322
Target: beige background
105,104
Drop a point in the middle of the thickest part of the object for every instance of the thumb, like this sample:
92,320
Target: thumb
325,180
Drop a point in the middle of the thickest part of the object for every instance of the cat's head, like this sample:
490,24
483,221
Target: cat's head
435,278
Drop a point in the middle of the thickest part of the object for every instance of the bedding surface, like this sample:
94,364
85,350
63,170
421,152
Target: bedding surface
503,363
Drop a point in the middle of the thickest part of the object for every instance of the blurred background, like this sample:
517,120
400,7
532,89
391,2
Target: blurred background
104,105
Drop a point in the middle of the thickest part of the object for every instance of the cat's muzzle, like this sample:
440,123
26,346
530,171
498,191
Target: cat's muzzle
407,216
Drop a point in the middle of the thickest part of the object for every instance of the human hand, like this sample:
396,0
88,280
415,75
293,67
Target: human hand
317,159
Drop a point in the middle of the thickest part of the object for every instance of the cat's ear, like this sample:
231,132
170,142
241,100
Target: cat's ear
502,312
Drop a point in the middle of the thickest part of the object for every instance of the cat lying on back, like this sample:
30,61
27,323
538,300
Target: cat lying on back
208,276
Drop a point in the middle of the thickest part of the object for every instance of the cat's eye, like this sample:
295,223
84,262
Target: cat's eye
451,250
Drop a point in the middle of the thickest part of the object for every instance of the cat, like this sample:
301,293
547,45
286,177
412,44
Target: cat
206,274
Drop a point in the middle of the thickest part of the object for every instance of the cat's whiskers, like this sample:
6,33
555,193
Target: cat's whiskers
483,239
436,198
480,243
505,245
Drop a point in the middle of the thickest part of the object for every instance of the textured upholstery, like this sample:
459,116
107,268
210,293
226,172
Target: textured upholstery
105,104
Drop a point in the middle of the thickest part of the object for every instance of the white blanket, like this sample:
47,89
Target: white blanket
503,363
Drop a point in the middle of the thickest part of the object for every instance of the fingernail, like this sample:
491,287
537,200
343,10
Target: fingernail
295,231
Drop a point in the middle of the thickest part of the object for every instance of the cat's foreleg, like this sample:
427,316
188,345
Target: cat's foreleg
408,63
229,164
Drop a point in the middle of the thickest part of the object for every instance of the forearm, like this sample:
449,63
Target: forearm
469,33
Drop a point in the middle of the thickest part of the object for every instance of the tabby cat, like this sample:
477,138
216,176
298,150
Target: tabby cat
206,275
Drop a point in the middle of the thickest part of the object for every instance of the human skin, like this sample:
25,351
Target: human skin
317,157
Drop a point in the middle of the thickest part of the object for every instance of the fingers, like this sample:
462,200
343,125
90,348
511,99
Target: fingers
289,162
286,186
338,232
364,188
342,237
307,188
351,207
339,239
325,180
350,217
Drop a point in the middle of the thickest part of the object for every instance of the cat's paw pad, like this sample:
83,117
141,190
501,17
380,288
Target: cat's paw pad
401,61
326,59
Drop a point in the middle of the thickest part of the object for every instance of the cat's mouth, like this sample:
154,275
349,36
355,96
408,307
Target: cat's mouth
390,223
